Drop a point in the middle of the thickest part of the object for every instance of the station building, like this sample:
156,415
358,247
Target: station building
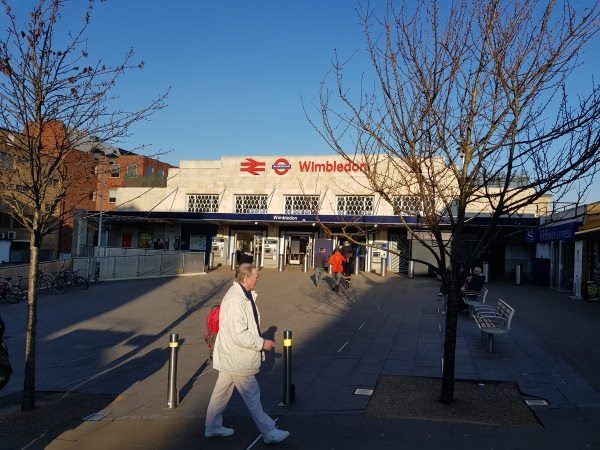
263,207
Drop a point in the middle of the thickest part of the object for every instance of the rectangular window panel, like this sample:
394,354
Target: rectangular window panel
301,204
115,171
203,203
112,196
6,161
355,205
251,204
132,171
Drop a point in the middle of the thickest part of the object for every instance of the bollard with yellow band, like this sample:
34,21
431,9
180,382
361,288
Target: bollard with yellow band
289,391
172,393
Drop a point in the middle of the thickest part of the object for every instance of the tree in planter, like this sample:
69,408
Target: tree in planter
54,101
471,114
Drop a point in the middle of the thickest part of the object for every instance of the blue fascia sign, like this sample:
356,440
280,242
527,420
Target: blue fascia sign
563,232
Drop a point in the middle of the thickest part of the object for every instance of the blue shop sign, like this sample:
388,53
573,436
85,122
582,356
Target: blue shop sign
564,232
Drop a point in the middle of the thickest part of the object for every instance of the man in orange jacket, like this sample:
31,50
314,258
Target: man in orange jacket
336,261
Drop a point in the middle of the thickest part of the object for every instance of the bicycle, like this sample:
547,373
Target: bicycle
57,283
10,293
72,278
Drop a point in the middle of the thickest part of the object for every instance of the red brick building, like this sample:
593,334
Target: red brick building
128,170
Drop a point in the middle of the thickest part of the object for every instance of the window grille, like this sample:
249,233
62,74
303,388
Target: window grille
355,205
408,205
301,204
203,203
251,204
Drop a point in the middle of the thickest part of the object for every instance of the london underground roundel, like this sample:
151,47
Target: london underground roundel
281,166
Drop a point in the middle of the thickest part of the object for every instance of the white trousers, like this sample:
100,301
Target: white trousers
248,388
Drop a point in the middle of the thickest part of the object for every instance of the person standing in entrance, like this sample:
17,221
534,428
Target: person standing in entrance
347,253
321,259
237,357
336,260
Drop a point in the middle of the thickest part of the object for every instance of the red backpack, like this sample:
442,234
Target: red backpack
212,326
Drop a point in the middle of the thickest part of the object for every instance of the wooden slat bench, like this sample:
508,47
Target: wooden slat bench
493,321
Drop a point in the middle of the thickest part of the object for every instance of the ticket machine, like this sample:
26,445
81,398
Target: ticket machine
377,255
218,250
270,257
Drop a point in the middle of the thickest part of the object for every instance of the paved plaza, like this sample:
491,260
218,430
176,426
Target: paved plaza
113,339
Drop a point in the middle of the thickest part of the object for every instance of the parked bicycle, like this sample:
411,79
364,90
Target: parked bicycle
57,283
10,293
45,283
72,278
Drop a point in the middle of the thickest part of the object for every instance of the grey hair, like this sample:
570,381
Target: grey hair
244,271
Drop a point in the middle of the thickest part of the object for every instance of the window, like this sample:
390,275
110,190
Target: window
355,205
203,203
92,195
149,171
5,220
52,182
6,162
112,196
22,188
251,204
408,205
115,171
301,204
145,239
161,172
132,170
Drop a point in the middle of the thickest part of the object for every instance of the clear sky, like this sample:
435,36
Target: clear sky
237,69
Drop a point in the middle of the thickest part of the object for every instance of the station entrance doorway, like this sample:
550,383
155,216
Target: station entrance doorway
248,246
360,250
298,246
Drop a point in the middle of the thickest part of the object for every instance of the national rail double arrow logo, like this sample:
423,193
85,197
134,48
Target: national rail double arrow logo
252,166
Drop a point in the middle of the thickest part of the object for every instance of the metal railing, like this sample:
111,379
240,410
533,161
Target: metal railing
123,267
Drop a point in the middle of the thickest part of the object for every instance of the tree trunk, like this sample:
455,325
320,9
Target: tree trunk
28,400
447,396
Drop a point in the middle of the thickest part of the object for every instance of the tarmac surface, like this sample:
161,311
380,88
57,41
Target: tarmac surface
113,339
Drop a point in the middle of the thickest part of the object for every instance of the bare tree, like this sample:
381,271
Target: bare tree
472,112
54,101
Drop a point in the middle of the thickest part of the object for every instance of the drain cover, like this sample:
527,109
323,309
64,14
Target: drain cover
536,402
363,392
96,416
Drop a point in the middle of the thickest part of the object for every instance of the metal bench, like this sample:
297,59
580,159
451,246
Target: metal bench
474,298
493,321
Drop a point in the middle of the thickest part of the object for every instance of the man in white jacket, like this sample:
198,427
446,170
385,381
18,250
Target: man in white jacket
237,357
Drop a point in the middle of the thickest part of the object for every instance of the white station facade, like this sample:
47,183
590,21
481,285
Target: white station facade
264,208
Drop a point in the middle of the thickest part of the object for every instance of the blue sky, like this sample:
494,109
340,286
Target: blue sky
237,70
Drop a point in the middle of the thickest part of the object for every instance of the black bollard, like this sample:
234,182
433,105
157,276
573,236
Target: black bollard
289,391
172,394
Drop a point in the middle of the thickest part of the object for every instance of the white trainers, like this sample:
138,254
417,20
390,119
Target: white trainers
275,436
218,432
